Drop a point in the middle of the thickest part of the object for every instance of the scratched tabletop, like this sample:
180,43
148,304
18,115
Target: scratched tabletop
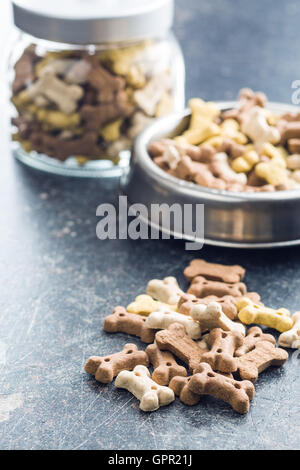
58,281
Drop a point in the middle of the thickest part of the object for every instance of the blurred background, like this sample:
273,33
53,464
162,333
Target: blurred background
229,44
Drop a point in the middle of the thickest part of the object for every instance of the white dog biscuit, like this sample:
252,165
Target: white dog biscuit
162,319
138,382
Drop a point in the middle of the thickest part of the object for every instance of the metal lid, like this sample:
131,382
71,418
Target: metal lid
93,21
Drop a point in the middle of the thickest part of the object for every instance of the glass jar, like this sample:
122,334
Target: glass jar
87,77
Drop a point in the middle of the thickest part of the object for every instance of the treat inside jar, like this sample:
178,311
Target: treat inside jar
246,149
89,105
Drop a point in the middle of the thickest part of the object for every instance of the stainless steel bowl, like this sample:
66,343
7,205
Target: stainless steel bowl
241,220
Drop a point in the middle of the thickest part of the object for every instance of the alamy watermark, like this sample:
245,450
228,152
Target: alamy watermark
296,94
139,222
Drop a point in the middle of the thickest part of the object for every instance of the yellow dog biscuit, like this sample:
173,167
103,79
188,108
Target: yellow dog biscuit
272,172
112,131
230,129
246,162
144,305
276,154
202,126
249,313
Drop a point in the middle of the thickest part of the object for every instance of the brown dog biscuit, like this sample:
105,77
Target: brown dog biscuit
130,323
95,117
289,130
203,154
232,148
190,170
236,394
247,100
294,146
223,345
24,70
179,385
107,84
202,287
214,272
264,355
165,365
255,334
105,368
227,302
176,341
61,149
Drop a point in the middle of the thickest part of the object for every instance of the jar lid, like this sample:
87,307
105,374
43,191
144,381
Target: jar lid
93,21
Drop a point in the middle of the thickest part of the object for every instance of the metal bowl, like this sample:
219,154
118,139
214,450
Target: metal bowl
239,220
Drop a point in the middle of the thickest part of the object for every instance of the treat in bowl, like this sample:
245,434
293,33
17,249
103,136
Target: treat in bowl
245,149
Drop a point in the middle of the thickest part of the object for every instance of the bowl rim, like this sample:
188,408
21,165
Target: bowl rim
146,136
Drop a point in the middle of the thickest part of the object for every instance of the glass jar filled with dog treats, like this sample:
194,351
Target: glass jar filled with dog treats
87,77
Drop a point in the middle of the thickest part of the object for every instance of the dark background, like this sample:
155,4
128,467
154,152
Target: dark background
58,281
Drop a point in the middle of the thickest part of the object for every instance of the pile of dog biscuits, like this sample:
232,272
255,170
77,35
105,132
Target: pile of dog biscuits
247,149
205,330
74,104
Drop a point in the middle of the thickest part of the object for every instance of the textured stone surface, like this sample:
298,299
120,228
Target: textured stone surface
58,281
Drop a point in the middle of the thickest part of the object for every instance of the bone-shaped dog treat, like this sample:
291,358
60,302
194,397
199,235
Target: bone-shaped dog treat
202,287
175,340
201,154
247,100
223,345
165,365
62,149
138,382
63,95
256,127
214,272
200,173
171,157
277,155
166,290
202,125
246,162
231,148
96,116
107,367
289,130
291,338
54,66
179,385
211,316
124,322
221,169
163,318
228,304
254,335
272,173
236,394
24,71
293,162
294,146
249,313
78,73
263,356
230,129
148,98
108,85
145,304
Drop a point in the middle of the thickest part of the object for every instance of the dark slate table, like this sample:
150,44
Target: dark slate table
58,281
